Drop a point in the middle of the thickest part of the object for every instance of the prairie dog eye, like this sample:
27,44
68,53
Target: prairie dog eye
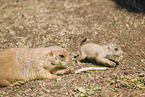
116,49
62,56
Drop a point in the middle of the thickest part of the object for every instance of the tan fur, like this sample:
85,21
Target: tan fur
18,64
100,52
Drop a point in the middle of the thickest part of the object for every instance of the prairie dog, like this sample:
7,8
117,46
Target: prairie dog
19,64
100,52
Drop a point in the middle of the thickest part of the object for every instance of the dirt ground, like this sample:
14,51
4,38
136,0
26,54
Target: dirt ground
43,23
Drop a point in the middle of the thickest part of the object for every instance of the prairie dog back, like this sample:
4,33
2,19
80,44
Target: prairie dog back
90,50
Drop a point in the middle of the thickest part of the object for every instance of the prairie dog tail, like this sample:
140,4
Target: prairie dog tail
83,41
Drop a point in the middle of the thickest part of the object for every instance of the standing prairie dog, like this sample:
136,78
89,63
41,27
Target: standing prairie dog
100,52
19,64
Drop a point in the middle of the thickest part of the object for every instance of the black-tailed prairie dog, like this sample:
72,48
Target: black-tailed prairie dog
19,64
100,52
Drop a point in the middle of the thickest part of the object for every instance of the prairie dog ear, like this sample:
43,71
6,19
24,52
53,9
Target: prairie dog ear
110,45
107,47
49,54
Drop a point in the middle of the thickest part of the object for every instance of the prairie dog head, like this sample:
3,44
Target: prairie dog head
58,56
114,49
